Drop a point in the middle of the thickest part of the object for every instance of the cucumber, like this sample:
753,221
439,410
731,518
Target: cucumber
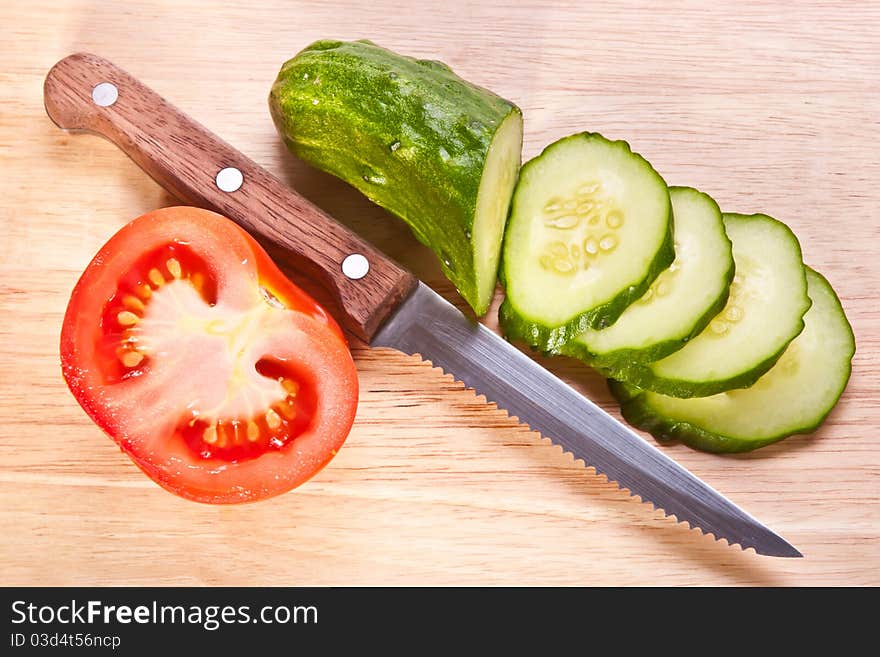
792,398
679,304
438,152
590,228
764,312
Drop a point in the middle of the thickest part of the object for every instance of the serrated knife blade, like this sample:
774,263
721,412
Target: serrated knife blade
427,325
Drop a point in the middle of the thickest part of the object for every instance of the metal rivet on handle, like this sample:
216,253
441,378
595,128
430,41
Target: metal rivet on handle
229,179
105,94
355,266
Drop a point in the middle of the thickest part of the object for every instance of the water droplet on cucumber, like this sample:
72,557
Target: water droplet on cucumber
374,177
447,261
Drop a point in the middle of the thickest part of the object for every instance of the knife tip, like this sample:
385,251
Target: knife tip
775,546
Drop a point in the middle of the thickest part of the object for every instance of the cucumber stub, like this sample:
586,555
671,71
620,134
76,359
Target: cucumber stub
590,228
764,312
416,139
794,397
680,302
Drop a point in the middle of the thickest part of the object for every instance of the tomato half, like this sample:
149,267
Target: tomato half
220,378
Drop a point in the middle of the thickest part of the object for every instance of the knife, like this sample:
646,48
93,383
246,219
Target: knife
382,303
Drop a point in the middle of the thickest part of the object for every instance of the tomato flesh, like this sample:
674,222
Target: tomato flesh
221,379
123,353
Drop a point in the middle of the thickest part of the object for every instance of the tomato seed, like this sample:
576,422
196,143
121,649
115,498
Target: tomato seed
173,267
127,318
131,358
273,419
156,277
210,435
133,302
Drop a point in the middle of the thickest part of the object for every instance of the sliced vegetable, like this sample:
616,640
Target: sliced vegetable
590,229
680,302
764,312
793,397
440,153
221,379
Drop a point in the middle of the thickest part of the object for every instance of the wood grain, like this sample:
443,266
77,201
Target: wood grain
766,106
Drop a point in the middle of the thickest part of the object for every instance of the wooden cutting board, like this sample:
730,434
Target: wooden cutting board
768,107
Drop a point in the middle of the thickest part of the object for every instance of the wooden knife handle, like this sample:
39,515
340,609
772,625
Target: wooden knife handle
86,92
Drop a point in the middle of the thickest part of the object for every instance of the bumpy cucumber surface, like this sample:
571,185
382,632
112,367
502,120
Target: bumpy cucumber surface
794,397
590,229
680,302
764,312
440,153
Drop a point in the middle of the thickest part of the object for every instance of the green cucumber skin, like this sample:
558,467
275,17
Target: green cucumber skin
636,411
407,133
642,377
551,339
616,364
640,374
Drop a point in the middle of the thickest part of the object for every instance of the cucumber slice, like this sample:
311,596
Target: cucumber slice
793,397
493,199
764,312
435,150
590,228
679,304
